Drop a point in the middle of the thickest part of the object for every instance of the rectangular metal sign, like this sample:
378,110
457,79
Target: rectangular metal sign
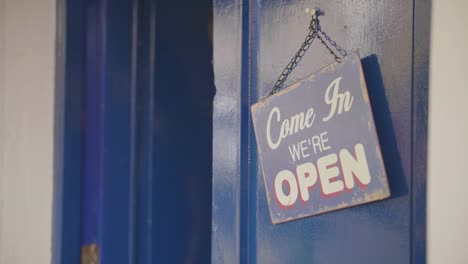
318,145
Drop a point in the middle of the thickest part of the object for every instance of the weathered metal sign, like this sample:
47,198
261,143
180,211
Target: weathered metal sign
318,145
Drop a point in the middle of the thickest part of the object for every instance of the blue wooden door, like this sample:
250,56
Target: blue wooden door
135,110
147,141
253,41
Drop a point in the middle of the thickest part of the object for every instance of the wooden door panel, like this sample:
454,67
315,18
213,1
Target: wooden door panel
262,36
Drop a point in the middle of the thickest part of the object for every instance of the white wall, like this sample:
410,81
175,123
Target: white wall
448,134
27,57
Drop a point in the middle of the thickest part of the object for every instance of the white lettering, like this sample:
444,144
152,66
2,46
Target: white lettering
307,177
270,142
355,167
316,144
303,149
324,140
290,198
295,152
328,172
337,100
288,126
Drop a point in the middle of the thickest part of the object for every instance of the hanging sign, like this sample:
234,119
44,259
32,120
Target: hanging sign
318,145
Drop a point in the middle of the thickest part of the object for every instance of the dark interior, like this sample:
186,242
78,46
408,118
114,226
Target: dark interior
183,107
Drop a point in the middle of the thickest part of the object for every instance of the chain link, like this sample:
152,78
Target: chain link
314,30
338,48
297,57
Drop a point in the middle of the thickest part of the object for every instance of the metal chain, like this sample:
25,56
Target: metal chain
297,57
338,48
314,30
337,58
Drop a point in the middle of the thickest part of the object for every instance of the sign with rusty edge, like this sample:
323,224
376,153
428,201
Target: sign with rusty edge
318,145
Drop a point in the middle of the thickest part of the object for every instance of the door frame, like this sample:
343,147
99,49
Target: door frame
69,91
96,56
103,33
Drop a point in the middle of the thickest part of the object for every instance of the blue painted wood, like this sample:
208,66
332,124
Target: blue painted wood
146,35
229,209
421,47
108,194
261,36
119,107
70,61
147,177
91,178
